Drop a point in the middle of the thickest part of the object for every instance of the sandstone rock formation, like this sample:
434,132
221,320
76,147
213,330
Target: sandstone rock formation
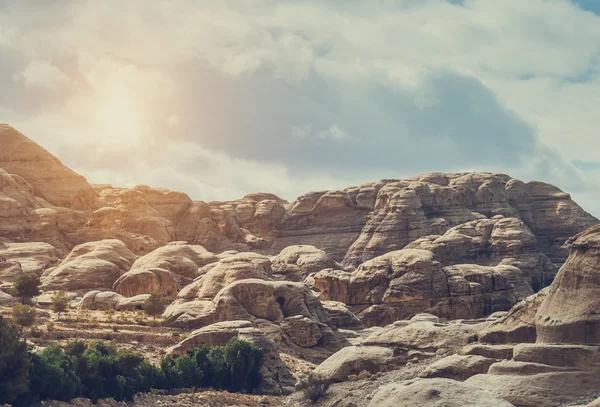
425,332
104,300
50,179
435,392
352,360
294,263
50,203
94,265
518,325
569,313
402,283
564,363
459,367
164,271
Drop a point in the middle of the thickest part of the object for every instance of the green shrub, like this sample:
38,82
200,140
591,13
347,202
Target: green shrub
27,285
99,371
243,362
52,377
14,363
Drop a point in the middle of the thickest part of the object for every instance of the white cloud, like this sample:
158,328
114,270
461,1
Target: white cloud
252,73
43,74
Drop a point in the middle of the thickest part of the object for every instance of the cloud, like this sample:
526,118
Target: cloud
224,98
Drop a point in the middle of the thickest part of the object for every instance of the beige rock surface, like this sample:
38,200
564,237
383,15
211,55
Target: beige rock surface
459,367
89,266
435,393
426,334
50,179
352,360
518,325
296,262
569,313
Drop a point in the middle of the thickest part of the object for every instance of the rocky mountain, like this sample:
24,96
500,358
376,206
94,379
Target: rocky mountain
343,285
43,200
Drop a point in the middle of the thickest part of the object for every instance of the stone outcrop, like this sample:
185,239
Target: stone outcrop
294,263
90,266
352,360
518,325
402,283
435,392
459,367
425,332
544,375
48,202
165,270
569,312
104,300
564,363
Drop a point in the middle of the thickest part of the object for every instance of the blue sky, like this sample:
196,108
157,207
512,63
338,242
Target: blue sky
219,99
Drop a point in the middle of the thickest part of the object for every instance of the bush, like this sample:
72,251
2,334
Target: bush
14,363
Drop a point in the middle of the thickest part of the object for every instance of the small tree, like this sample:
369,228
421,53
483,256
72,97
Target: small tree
24,315
154,305
27,285
60,302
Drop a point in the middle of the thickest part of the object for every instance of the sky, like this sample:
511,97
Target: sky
222,98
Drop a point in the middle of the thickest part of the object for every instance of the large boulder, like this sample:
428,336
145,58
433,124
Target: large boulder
104,300
435,393
34,257
90,266
352,360
459,367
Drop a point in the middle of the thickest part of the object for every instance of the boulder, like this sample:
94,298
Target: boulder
435,392
341,316
458,367
7,299
352,360
104,300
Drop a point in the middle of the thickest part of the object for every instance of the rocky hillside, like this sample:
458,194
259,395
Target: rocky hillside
44,201
342,285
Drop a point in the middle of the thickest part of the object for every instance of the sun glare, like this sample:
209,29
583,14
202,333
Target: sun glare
117,117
